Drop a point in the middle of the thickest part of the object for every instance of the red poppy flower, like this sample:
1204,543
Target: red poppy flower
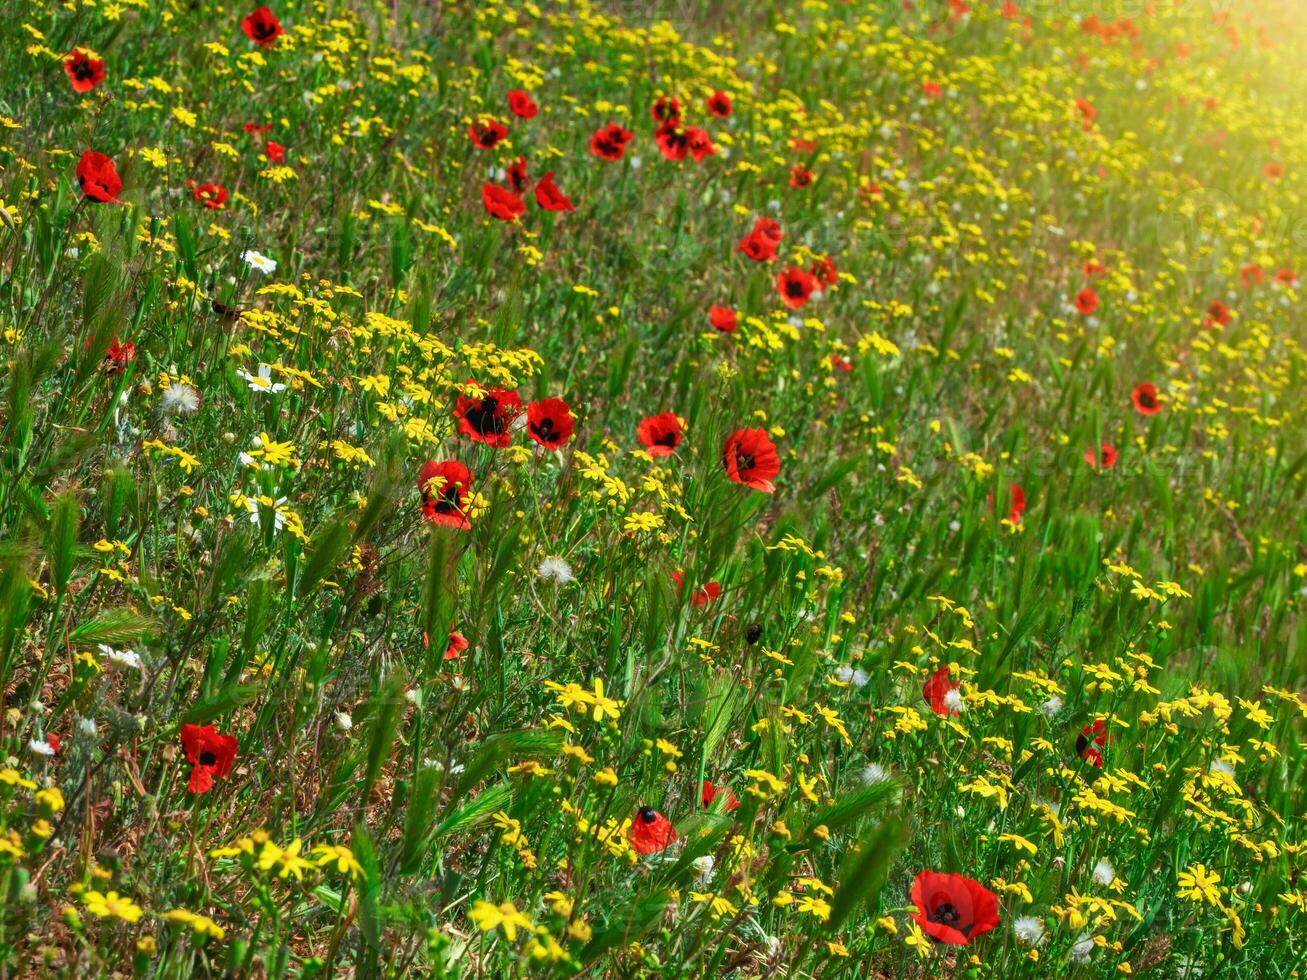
953,909
1087,112
751,459
609,143
1091,741
699,143
549,422
53,741
1104,457
931,90
660,434
457,644
708,792
825,273
549,197
517,176
1016,502
521,105
1218,312
723,318
841,363
1273,170
719,104
936,691
210,754
212,196
276,152
761,243
1094,270
502,204
262,27
666,111
486,133
800,176
84,71
1086,301
256,128
1251,275
99,178
795,287
488,418
673,144
1145,398
445,488
118,356
651,832
1286,277
702,596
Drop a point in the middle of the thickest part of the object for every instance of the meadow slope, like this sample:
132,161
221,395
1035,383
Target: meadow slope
653,489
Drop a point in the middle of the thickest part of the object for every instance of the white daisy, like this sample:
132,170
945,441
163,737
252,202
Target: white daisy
123,658
38,747
259,262
263,380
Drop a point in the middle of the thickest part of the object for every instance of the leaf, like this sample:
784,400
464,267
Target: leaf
630,922
865,868
385,710
61,540
495,798
329,545
112,627
223,703
852,808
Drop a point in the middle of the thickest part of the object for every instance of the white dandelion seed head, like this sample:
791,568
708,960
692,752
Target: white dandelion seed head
1028,930
179,399
1104,873
860,678
1082,949
1220,765
844,673
874,773
343,721
953,700
554,569
87,727
1051,707
703,868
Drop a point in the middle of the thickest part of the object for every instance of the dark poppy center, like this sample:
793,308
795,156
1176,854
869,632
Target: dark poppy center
946,913
667,439
545,430
1146,399
648,814
265,30
208,759
793,288
83,71
744,461
485,418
